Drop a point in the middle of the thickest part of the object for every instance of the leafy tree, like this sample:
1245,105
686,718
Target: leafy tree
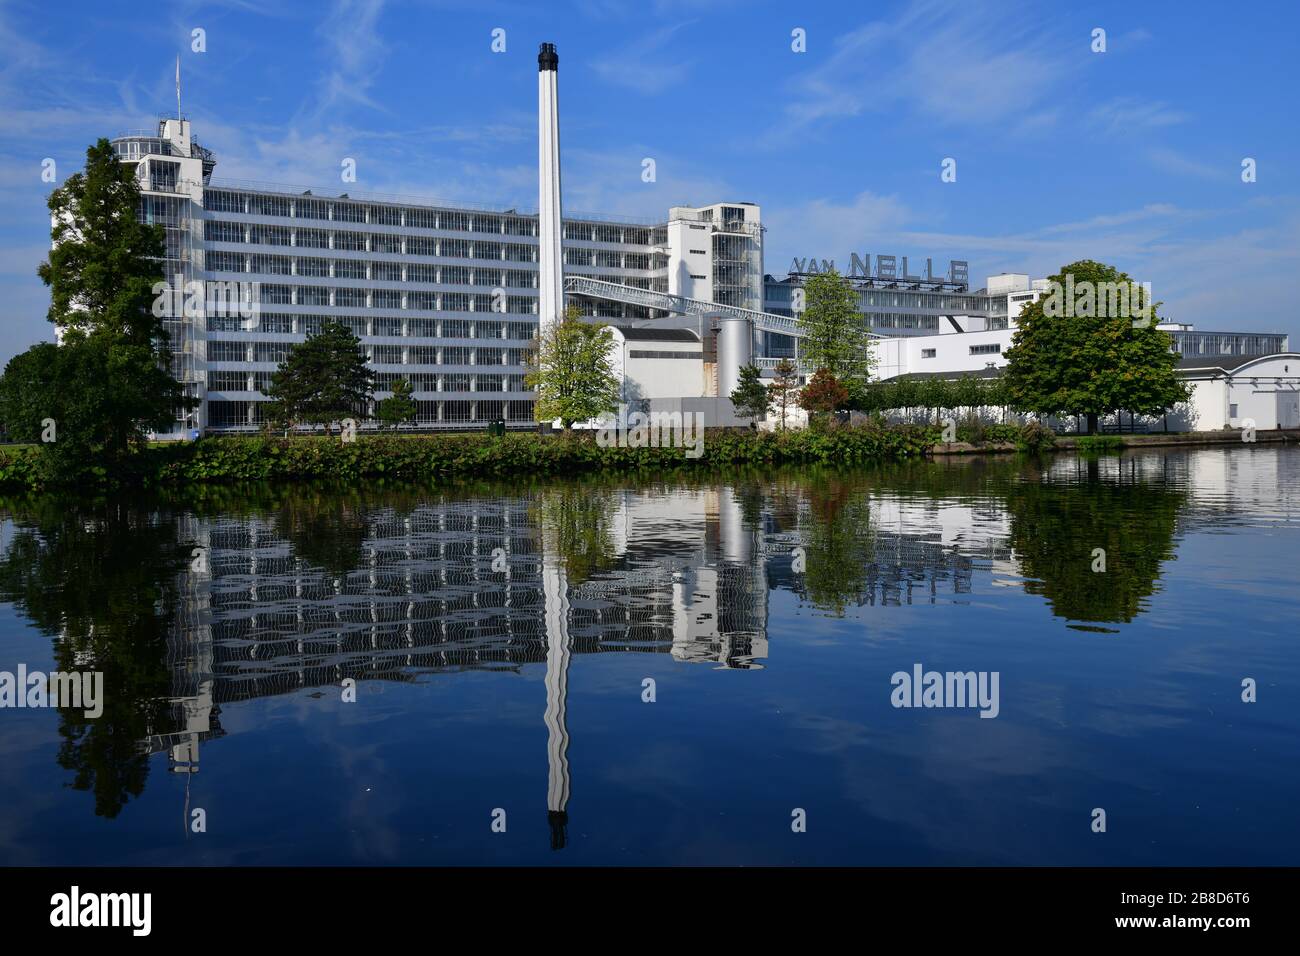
572,372
322,380
108,381
836,336
104,262
823,393
93,396
784,388
1090,365
398,408
750,397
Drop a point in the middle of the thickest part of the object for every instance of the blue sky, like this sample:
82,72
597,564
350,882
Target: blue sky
1132,156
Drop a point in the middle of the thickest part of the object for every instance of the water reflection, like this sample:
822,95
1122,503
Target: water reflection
231,595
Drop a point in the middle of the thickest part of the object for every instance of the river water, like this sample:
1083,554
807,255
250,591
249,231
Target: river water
704,670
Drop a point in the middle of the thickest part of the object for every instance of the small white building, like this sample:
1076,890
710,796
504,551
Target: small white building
1233,391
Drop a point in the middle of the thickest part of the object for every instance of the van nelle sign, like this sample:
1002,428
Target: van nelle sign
887,269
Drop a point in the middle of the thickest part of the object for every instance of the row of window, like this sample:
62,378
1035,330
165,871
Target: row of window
447,220
295,324
234,232
229,381
225,351
244,414
360,269
273,294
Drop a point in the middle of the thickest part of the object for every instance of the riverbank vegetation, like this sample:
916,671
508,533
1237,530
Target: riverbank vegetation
474,454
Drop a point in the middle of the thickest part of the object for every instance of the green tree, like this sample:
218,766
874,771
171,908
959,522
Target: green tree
572,372
92,397
105,262
750,397
836,336
322,380
399,407
1086,364
784,388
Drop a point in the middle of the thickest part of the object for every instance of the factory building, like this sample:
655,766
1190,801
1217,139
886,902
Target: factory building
450,296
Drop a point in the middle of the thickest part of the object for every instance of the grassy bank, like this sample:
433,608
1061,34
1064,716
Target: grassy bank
426,457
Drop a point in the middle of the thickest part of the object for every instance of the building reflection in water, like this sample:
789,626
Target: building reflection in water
317,586
504,583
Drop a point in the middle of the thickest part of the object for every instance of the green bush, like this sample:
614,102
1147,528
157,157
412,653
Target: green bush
1097,444
408,457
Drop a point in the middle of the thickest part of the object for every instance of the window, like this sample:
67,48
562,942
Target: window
345,212
1232,410
349,269
227,352
269,235
271,351
222,201
454,221
422,218
313,267
927,353
214,230
270,265
225,261
269,205
310,209
276,322
227,382
993,349
383,242
313,238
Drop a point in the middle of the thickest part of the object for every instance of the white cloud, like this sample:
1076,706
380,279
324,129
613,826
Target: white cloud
1128,114
645,65
954,63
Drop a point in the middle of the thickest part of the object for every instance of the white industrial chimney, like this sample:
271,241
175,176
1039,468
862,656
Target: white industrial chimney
550,260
